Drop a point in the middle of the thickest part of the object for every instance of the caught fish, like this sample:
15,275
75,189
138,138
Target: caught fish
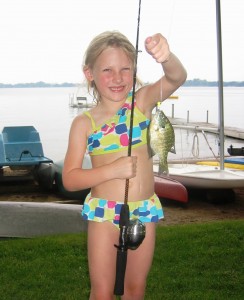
161,140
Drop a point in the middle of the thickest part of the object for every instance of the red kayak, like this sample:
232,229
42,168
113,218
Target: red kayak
168,188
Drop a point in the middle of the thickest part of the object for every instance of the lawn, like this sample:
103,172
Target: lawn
203,261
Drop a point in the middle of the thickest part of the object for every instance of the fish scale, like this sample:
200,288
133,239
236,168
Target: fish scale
161,140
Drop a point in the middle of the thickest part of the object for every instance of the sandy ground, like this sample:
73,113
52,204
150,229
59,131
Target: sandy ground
197,210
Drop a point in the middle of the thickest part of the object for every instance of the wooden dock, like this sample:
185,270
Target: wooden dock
233,132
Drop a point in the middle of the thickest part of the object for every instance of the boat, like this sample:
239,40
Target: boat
168,188
21,147
193,175
235,151
80,99
228,163
49,177
206,176
165,187
57,179
79,102
173,97
235,161
21,151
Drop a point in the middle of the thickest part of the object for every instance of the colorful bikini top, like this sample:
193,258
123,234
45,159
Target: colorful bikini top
113,136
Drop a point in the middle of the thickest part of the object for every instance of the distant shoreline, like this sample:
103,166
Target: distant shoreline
39,84
188,83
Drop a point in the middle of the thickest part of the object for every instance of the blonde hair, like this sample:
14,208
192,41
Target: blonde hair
98,45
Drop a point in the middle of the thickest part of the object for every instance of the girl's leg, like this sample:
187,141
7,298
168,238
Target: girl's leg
102,259
139,262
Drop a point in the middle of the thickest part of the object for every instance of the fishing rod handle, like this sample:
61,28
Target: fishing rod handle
120,272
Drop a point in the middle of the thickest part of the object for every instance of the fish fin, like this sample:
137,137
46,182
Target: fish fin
151,153
172,150
150,150
163,169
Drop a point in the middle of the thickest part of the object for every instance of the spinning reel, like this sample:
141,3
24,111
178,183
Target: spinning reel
136,232
132,235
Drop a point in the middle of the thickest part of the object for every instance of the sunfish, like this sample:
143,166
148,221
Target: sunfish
161,140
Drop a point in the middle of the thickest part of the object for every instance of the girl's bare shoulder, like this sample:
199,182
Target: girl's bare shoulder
82,121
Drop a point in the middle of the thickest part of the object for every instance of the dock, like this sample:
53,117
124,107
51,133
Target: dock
79,102
233,132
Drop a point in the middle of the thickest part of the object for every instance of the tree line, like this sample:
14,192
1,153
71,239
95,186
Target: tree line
189,83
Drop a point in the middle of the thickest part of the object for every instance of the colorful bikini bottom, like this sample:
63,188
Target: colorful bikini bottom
100,210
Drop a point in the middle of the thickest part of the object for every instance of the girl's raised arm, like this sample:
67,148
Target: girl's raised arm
174,72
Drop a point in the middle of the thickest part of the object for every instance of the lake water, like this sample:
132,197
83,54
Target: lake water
47,109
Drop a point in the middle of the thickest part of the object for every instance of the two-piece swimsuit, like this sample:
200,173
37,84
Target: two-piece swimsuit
111,137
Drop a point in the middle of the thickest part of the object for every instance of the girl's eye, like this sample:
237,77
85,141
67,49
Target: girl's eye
106,70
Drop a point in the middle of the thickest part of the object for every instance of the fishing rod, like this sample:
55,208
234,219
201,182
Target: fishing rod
127,238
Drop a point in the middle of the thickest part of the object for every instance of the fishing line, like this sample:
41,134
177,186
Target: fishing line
172,19
168,39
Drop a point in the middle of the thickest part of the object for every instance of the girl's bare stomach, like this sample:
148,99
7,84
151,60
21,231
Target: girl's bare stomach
141,187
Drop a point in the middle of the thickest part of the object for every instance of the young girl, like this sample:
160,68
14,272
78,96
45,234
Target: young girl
103,132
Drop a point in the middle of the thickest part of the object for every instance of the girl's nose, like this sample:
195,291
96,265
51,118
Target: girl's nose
117,77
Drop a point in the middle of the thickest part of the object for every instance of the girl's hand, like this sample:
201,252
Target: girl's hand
124,167
158,47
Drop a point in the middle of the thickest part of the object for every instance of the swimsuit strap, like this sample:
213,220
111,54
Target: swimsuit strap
87,113
113,135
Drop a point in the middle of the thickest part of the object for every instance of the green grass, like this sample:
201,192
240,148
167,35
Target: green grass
202,261
199,262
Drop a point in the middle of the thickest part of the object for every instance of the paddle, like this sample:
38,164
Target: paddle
124,213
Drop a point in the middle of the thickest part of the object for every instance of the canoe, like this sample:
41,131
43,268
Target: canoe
77,195
165,187
168,188
32,219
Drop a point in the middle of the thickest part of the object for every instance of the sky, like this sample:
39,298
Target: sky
45,40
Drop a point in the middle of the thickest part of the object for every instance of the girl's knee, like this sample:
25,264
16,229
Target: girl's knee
135,291
101,294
